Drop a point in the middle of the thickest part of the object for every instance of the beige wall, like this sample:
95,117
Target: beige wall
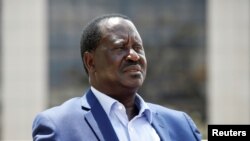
24,65
228,47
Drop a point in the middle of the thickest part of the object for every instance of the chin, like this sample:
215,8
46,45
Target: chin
133,81
134,84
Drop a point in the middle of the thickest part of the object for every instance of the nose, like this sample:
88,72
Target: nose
133,55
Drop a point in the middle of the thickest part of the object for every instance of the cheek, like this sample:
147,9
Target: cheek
115,58
100,62
108,63
144,61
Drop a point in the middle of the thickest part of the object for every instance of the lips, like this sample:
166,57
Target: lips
133,68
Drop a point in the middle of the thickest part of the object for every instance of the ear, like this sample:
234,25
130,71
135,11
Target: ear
88,59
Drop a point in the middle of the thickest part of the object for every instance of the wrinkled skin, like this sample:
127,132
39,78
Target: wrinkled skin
117,67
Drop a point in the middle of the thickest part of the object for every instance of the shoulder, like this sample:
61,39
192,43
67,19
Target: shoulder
61,113
58,121
176,120
164,110
170,114
70,106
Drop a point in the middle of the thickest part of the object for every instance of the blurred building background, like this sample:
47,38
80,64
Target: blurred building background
198,54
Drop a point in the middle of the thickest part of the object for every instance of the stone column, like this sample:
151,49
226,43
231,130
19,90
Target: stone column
24,65
228,49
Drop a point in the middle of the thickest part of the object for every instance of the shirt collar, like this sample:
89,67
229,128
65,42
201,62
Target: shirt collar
104,100
107,103
144,108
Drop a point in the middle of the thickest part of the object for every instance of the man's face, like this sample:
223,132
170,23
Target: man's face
119,60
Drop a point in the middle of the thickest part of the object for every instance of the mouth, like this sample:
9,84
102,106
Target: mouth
133,69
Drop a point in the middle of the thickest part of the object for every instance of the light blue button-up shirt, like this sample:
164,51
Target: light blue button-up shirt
137,129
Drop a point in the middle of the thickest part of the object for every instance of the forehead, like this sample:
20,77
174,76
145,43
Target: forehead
118,25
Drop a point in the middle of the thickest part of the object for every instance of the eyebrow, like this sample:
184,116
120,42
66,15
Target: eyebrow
119,41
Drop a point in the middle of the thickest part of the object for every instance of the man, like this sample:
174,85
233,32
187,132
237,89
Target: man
111,110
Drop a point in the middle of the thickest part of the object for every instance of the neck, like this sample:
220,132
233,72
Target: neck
124,95
132,111
129,104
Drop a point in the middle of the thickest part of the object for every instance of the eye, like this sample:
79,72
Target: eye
138,48
119,46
